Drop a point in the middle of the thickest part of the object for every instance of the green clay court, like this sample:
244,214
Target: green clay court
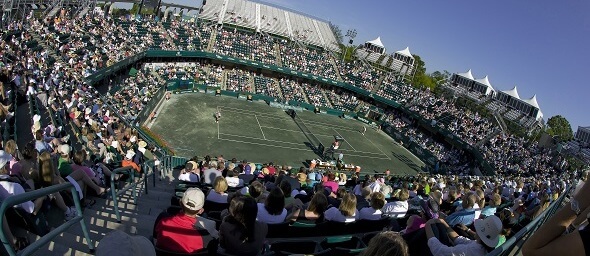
260,133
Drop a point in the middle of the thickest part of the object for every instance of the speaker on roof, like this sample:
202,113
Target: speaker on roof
204,2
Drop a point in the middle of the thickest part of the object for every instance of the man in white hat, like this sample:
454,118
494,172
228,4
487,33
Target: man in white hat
186,232
443,240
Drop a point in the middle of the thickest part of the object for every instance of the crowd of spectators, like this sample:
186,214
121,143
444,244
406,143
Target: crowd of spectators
309,60
396,90
238,80
244,45
466,124
342,100
431,214
267,86
292,90
513,155
359,74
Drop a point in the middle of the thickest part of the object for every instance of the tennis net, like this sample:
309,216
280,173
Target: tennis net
315,142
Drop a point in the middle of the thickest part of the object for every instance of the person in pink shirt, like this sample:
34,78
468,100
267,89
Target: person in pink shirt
331,182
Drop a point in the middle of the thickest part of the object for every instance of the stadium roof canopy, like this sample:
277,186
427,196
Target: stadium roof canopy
532,101
485,82
467,75
513,92
377,42
406,52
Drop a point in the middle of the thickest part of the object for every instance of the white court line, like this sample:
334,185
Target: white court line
296,131
344,139
254,138
377,147
306,149
314,123
294,143
260,127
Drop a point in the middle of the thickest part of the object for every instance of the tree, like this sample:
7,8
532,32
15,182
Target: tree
337,33
559,127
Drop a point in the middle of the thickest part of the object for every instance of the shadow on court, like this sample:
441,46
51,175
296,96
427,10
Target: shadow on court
404,159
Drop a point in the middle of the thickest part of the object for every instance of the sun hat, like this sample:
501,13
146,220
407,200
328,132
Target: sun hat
142,144
4,158
489,230
130,154
193,199
120,243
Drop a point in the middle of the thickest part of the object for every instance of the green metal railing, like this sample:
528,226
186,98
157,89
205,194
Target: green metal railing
28,196
115,194
513,245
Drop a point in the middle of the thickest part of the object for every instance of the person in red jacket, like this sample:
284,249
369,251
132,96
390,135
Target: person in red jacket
186,232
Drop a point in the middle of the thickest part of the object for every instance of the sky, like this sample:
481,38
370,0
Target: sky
541,46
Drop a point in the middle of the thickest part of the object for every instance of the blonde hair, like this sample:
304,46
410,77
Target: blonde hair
220,184
377,200
10,148
342,177
348,205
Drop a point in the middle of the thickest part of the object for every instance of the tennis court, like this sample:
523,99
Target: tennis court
260,133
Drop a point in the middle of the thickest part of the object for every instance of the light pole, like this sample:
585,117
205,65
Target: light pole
351,34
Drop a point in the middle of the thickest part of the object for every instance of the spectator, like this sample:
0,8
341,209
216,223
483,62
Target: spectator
186,232
346,212
240,232
373,212
211,173
443,240
218,193
272,211
190,173
314,211
119,243
466,215
397,209
387,243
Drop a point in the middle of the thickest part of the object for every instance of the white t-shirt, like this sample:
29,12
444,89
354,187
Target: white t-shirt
264,216
396,209
216,197
368,213
234,182
334,214
11,189
189,176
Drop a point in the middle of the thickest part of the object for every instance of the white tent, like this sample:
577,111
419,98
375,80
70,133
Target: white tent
486,82
377,42
406,52
532,101
467,75
513,92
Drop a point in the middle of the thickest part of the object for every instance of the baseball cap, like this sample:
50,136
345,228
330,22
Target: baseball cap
4,158
193,199
120,243
489,230
64,149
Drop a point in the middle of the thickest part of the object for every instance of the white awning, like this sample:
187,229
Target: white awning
467,75
377,42
406,52
513,93
484,81
532,101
